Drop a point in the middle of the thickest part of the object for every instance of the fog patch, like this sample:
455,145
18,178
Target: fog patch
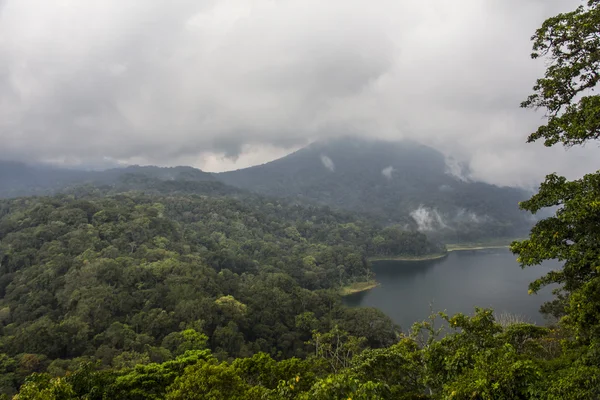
387,172
328,163
428,219
457,169
464,215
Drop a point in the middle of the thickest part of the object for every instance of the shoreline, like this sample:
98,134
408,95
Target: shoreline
476,247
410,258
358,287
437,256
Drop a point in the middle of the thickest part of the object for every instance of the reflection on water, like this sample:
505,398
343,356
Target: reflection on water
457,283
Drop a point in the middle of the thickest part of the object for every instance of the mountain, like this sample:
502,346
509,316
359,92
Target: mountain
401,183
19,179
396,182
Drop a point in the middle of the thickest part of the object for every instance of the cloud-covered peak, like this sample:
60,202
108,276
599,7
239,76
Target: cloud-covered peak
222,84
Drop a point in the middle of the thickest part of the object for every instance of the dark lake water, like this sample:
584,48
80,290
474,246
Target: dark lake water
457,283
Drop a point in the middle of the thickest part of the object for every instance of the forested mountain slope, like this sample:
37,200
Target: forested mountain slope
129,278
397,182
19,179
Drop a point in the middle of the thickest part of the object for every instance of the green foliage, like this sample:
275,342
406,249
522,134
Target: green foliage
337,347
44,387
498,373
399,368
342,387
151,381
568,234
208,380
476,358
180,342
393,241
574,383
571,43
130,278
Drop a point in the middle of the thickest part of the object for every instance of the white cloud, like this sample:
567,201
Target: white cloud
428,219
387,172
327,163
208,81
457,169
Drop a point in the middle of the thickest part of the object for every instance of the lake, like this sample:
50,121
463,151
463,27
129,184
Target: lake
456,283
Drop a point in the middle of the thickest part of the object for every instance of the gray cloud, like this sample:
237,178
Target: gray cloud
226,83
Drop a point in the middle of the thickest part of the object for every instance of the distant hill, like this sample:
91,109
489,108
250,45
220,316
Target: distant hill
19,179
401,183
396,182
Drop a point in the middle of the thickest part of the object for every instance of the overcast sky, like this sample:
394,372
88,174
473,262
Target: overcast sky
231,83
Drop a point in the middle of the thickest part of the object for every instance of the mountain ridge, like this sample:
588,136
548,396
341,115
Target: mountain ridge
397,182
22,179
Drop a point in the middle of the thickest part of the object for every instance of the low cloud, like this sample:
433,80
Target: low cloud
428,219
467,216
387,172
457,169
328,163
216,83
431,220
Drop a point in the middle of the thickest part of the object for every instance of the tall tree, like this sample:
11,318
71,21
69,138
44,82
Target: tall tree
571,43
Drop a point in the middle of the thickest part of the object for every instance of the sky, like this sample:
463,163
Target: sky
225,84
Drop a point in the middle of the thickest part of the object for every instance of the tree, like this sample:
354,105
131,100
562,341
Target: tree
144,381
44,387
180,342
571,42
208,380
337,347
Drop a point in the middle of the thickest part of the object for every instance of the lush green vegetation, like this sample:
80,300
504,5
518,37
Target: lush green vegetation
151,296
18,179
132,278
476,359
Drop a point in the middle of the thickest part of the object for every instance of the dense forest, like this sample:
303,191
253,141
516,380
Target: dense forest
20,179
477,359
130,278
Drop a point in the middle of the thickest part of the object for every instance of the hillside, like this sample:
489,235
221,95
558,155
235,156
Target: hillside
20,179
400,182
174,291
395,183
120,278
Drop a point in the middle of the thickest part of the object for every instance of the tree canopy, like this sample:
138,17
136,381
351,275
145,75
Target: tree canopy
571,44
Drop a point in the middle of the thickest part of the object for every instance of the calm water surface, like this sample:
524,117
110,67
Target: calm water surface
457,283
